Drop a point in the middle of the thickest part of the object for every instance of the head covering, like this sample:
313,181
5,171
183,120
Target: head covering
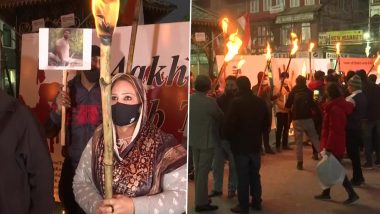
140,91
355,82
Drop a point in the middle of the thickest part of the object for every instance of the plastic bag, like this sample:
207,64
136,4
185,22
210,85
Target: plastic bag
330,171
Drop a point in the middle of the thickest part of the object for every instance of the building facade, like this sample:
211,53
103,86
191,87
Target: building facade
272,21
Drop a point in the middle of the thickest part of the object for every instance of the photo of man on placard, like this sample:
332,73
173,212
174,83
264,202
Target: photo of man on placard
65,47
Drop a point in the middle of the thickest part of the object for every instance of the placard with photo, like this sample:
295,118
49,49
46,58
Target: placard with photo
65,49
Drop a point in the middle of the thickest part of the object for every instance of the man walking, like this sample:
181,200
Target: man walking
301,103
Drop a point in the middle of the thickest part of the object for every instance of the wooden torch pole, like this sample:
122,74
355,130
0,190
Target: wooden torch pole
132,42
63,111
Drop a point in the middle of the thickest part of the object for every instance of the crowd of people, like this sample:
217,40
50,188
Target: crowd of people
339,114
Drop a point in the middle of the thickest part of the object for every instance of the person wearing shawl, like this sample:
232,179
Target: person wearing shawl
149,174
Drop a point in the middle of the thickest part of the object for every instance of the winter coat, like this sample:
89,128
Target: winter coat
301,103
204,125
246,120
26,170
335,114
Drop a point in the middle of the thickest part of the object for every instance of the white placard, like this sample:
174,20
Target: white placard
65,49
68,20
200,37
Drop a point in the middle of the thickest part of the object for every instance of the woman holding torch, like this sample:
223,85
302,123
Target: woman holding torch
149,173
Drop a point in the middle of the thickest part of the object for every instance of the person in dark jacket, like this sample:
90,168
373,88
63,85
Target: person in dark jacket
26,170
83,115
263,90
247,119
333,140
354,127
301,103
371,126
223,150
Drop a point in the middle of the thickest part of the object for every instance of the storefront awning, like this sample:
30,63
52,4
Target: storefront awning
200,16
297,14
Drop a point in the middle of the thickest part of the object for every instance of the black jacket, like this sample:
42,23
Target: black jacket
355,119
26,171
372,92
302,107
246,120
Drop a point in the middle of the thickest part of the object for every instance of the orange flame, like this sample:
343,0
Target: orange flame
106,13
311,47
233,46
377,59
268,54
303,71
225,24
241,63
338,48
378,70
295,43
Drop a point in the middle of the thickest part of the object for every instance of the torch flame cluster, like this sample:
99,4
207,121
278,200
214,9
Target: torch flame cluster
295,43
106,13
233,46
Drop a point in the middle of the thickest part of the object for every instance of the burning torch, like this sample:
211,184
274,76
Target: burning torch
106,14
292,53
233,46
338,55
374,63
311,46
268,57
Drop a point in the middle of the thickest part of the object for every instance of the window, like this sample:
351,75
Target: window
7,37
285,34
306,34
263,36
267,5
254,7
294,3
375,1
309,2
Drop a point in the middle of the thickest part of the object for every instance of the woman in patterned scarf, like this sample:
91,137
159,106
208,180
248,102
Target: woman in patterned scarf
149,174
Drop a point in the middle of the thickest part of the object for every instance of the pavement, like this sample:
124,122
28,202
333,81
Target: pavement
288,190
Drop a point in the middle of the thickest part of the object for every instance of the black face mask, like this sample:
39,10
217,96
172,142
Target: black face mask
123,114
92,75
